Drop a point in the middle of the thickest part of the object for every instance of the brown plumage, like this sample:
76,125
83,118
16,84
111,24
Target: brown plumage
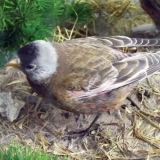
86,75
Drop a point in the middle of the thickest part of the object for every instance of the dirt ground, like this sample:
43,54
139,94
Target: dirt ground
132,135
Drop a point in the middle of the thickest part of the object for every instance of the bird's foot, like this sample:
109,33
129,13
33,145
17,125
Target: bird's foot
31,99
84,133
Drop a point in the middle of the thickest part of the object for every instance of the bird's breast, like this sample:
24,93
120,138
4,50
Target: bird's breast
97,104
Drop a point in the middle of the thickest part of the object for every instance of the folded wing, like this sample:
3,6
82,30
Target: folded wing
121,71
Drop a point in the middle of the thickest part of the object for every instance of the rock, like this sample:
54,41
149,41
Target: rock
10,107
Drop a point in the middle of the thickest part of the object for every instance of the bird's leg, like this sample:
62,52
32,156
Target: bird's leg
118,114
133,102
85,132
31,99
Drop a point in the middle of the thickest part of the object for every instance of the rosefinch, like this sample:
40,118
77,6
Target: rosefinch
86,75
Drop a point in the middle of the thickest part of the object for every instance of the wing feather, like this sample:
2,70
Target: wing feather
115,41
129,70
120,70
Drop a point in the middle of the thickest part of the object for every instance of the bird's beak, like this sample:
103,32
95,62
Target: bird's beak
13,63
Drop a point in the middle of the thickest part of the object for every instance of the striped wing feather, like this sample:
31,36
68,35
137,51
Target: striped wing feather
115,41
117,71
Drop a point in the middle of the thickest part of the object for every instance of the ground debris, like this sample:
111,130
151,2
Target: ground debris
10,107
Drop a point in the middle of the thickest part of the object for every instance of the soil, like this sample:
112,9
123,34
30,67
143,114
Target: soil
131,132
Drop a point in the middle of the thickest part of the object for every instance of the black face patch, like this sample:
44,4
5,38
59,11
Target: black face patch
27,54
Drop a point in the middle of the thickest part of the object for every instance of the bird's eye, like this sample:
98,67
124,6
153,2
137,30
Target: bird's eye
30,67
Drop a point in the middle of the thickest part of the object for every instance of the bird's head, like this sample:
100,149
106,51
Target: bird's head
38,60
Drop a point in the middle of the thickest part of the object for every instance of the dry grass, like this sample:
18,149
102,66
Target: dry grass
135,135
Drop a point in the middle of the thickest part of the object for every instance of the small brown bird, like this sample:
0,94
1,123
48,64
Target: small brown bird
152,8
86,75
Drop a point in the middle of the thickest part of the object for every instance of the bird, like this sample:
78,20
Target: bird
86,75
152,8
